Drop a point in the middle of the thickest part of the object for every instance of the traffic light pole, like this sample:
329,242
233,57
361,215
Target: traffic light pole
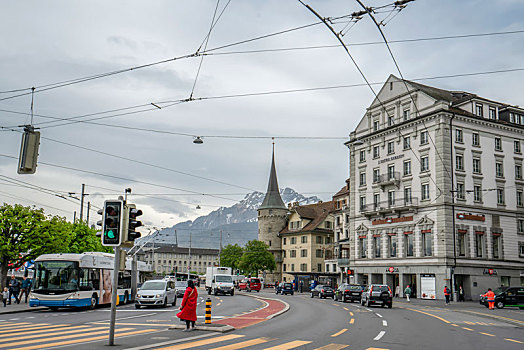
114,296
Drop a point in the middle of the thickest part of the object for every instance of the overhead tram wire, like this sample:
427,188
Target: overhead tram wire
365,79
89,121
120,178
368,11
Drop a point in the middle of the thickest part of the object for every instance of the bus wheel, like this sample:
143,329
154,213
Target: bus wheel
126,298
94,301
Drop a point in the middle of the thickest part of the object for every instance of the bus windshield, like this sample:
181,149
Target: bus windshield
56,276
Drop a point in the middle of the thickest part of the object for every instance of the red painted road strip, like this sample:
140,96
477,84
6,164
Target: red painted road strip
254,317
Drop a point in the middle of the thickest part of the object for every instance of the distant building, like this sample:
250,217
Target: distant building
341,213
168,259
436,191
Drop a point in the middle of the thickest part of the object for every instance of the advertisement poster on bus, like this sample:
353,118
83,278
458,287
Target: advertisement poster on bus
107,286
427,287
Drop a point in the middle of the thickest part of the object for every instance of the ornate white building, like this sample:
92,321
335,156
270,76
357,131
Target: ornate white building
436,192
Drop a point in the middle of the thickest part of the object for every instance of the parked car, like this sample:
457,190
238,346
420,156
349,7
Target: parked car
351,292
180,287
250,284
323,292
156,293
506,296
377,294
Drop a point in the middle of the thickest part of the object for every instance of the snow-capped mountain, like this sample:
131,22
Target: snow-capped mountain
238,223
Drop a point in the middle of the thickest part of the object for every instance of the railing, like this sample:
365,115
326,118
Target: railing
343,262
397,204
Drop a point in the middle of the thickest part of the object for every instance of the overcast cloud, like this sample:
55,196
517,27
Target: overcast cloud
53,41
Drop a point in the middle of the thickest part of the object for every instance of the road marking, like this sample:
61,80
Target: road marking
513,340
218,304
369,310
339,332
350,313
468,329
376,349
56,332
32,341
501,317
352,321
136,324
454,325
30,327
203,342
50,331
83,340
334,304
384,323
380,335
345,308
290,345
379,315
427,313
491,335
243,344
332,347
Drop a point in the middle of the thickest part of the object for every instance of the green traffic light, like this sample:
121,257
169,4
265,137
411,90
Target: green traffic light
110,234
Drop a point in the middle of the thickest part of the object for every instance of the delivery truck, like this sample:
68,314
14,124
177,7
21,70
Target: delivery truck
219,280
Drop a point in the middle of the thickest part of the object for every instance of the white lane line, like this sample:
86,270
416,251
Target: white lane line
369,310
379,315
380,335
384,323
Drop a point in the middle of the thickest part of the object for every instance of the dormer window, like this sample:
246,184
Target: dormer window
294,225
492,113
479,110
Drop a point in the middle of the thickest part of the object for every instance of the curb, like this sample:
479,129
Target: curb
38,308
218,328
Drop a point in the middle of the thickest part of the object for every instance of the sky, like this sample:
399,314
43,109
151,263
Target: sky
135,128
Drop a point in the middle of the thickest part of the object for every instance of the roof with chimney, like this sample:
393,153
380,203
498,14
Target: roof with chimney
317,213
272,200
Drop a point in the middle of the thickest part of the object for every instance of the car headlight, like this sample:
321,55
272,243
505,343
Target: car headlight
158,296
139,295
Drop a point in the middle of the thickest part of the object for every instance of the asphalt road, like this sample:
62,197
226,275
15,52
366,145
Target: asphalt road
309,324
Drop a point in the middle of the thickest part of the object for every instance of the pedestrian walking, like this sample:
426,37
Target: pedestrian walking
407,292
301,285
491,299
14,289
188,307
397,291
461,293
26,287
447,294
5,296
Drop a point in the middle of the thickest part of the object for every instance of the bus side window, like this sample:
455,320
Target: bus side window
94,278
84,280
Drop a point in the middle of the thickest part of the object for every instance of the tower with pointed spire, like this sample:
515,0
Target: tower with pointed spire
272,215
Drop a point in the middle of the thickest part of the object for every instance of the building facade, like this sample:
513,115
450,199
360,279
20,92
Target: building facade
168,259
436,191
307,243
341,213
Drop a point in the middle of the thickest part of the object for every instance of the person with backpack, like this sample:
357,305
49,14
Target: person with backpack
447,294
407,292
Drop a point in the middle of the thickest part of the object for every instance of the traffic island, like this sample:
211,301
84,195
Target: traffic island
213,327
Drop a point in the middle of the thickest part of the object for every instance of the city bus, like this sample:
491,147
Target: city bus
80,280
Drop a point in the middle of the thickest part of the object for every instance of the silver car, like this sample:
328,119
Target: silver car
180,287
156,293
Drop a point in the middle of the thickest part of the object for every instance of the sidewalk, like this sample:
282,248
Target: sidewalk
511,314
16,308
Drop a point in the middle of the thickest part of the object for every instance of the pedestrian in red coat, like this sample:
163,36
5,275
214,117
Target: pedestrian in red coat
188,306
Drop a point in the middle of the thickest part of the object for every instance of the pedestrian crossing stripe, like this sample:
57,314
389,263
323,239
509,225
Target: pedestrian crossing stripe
118,333
202,342
333,347
289,345
34,334
243,344
24,329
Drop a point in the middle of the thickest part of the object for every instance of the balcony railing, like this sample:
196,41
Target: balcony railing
389,179
390,206
343,262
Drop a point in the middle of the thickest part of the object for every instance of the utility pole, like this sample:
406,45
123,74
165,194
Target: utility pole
116,270
220,250
82,202
87,215
189,265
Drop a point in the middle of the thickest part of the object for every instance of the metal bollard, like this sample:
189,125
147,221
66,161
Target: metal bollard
208,311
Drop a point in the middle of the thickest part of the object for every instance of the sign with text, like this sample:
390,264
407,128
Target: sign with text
469,216
392,220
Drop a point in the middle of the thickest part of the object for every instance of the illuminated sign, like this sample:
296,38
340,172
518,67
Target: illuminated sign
391,220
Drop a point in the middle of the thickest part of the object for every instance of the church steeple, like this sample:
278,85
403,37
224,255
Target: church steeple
273,199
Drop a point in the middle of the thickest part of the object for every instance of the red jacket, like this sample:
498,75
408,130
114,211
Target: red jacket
446,291
189,305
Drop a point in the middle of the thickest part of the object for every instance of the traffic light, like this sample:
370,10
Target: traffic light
28,151
131,223
111,223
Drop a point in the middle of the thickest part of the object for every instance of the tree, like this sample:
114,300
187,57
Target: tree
257,257
25,234
231,255
84,239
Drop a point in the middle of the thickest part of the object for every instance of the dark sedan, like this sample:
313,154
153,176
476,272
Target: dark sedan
506,296
351,292
323,292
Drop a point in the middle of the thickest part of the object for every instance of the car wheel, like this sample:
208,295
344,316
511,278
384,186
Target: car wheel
209,291
292,293
137,306
232,292
165,303
390,305
333,297
215,293
521,307
174,301
368,304
499,305
312,295
258,291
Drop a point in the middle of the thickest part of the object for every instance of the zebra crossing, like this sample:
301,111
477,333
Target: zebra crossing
29,336
238,341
